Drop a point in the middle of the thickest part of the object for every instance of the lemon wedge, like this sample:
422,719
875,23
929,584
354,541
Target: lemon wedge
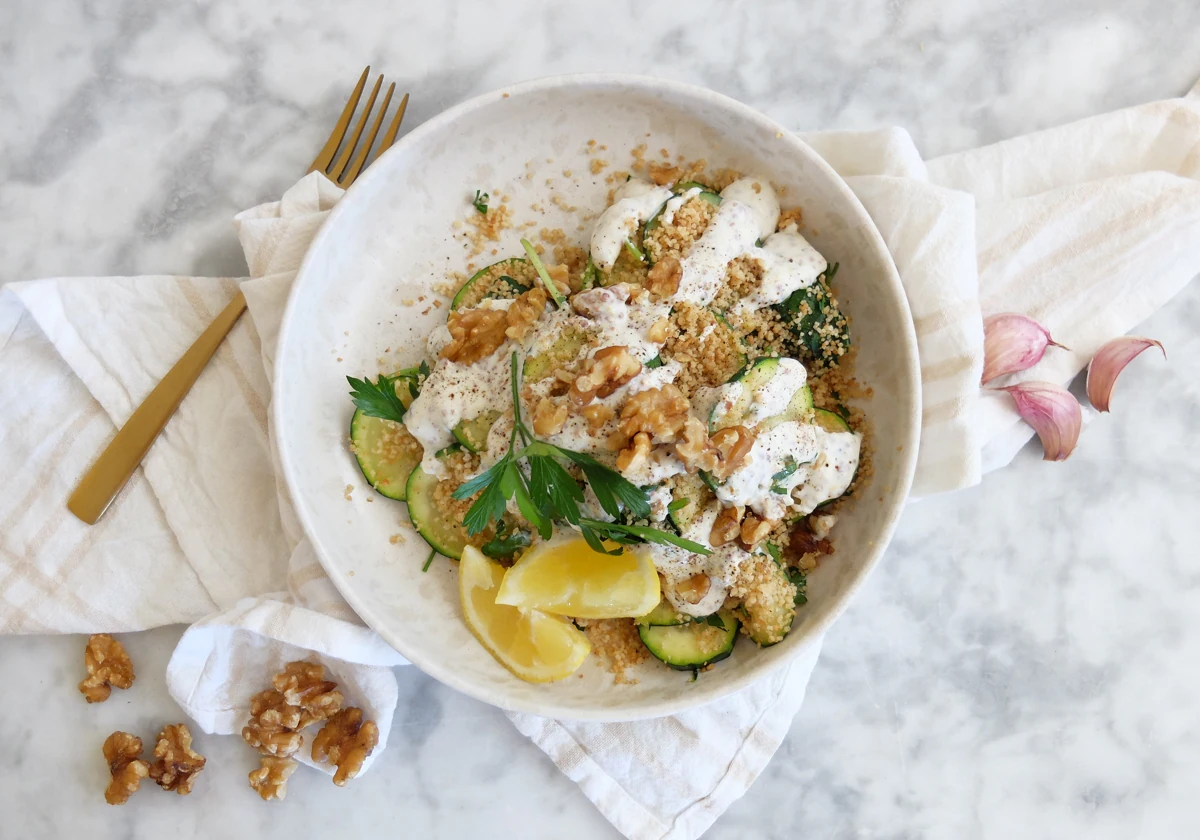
569,577
536,647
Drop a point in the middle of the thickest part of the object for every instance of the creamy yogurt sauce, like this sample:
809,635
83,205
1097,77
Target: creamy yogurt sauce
455,392
732,232
770,399
635,202
672,206
677,565
786,446
621,324
829,476
759,196
789,263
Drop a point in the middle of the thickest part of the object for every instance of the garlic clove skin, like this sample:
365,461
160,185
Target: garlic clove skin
1012,343
1053,413
1107,364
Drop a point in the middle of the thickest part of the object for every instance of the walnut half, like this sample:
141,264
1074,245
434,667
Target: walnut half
107,664
607,370
121,751
303,684
475,334
176,764
727,527
271,777
345,741
273,723
662,412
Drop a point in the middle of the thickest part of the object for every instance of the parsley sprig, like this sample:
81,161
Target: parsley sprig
550,493
379,398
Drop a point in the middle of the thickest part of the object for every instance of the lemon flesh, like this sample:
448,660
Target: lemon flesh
532,645
568,577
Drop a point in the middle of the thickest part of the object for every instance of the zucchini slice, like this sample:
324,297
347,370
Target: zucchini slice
830,421
501,279
473,433
686,647
693,490
445,537
754,377
664,615
768,618
386,453
565,348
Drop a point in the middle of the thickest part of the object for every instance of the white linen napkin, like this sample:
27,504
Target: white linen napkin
1089,228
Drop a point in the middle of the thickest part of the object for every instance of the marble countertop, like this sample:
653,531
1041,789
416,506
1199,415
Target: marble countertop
1024,662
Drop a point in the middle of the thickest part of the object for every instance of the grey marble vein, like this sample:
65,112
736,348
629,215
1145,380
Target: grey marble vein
1024,662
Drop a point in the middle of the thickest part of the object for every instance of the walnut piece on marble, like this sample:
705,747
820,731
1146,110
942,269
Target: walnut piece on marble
345,741
271,777
176,765
108,664
273,723
607,370
303,684
121,751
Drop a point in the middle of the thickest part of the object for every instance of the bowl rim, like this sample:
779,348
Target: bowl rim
444,672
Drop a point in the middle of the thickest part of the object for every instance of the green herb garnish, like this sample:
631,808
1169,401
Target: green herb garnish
480,201
591,274
635,251
713,620
505,544
796,576
789,468
379,399
432,554
550,493
677,504
538,266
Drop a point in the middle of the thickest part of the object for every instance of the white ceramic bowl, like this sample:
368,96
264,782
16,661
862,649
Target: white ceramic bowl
390,240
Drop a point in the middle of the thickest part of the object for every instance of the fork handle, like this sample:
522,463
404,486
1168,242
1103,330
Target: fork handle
101,484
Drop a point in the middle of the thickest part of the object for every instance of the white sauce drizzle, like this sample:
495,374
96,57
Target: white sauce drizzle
789,444
759,196
635,202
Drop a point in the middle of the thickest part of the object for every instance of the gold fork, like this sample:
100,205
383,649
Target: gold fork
101,484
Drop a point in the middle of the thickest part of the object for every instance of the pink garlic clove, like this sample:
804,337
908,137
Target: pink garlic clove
1106,366
1053,413
1012,343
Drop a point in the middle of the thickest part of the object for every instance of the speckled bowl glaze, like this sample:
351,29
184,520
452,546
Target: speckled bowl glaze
390,240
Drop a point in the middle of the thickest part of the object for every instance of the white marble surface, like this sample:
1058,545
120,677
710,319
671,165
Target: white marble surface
1024,663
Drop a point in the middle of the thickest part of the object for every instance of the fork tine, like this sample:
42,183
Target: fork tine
339,130
361,157
343,160
389,136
